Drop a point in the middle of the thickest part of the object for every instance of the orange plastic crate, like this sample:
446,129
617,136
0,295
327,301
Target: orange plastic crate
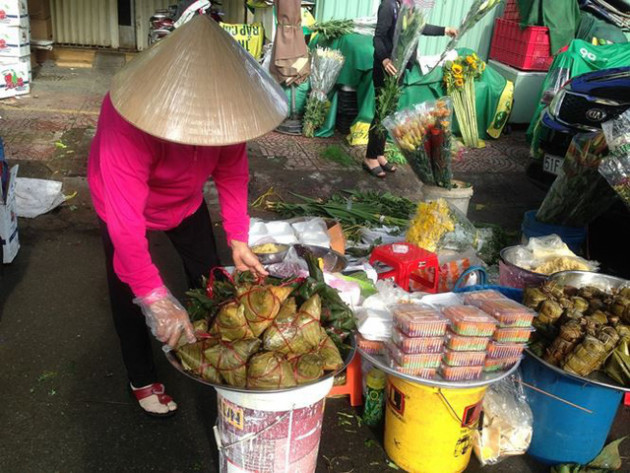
527,49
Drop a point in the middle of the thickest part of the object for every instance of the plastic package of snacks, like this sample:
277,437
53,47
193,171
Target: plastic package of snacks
460,373
457,342
371,347
413,360
419,321
468,320
508,313
513,335
464,358
505,350
477,297
498,364
425,373
417,344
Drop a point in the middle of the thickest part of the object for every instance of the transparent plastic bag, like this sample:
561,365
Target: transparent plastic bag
412,17
423,134
506,428
616,169
579,194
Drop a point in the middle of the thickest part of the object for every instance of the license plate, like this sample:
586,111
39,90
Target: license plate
552,164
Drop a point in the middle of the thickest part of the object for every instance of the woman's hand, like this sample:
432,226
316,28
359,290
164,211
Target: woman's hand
389,67
245,259
450,31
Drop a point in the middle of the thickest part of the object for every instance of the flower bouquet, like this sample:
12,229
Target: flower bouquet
326,67
616,169
459,79
477,11
423,134
439,226
579,194
412,17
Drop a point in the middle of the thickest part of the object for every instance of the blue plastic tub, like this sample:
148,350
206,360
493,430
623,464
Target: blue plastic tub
574,237
564,433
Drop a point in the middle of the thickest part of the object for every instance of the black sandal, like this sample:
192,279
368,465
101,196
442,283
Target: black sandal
388,167
375,171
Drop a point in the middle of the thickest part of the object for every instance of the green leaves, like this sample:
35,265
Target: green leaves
608,461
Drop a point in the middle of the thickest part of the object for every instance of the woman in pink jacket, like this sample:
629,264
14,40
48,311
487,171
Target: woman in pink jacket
178,114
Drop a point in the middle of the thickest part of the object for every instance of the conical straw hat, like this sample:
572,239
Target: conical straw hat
200,87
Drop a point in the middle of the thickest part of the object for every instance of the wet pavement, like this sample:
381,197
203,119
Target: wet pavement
62,384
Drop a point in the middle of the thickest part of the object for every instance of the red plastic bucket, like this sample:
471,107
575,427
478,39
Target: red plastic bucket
271,432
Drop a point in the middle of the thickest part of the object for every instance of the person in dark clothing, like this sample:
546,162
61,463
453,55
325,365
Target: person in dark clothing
375,162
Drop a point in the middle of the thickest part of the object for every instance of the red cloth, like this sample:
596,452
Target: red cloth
139,182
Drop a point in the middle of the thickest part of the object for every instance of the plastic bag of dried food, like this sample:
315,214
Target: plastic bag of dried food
506,428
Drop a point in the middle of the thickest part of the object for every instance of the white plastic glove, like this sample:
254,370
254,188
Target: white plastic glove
166,317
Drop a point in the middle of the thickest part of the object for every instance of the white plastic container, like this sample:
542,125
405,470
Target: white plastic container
458,196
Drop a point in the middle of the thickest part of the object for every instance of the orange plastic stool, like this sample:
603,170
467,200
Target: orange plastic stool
405,259
353,385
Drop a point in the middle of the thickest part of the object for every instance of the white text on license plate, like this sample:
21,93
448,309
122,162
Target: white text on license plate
552,164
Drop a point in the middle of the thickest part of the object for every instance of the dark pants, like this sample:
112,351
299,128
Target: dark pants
376,140
194,241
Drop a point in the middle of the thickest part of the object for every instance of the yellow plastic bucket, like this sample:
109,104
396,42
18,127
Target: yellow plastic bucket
428,429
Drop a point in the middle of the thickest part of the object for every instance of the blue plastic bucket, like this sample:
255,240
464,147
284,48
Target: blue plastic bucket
573,236
564,433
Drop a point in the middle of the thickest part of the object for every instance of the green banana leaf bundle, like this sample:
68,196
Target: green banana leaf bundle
329,353
587,357
230,323
193,359
308,367
618,365
230,359
270,370
262,304
295,332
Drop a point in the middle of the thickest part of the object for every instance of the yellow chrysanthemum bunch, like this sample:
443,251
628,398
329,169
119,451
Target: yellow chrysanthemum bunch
432,221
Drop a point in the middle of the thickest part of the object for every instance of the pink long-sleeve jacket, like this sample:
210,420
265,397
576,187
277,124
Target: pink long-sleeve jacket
139,182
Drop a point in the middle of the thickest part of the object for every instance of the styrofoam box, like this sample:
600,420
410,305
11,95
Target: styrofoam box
13,12
15,76
15,41
8,220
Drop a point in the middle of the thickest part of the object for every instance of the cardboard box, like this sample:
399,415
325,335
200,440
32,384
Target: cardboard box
41,29
13,12
38,9
8,220
15,76
15,40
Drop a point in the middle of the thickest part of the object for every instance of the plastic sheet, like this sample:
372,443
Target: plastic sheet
507,425
616,168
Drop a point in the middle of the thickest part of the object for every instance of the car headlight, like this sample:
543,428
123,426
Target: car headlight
556,103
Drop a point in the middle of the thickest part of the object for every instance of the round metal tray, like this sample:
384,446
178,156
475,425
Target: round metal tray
580,279
172,359
598,378
485,380
333,262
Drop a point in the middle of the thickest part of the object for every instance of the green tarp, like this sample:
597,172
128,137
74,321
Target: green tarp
581,57
562,17
357,73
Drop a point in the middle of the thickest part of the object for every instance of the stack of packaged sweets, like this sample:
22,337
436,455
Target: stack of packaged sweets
513,331
417,344
469,336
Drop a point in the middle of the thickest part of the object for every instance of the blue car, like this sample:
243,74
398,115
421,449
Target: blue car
581,105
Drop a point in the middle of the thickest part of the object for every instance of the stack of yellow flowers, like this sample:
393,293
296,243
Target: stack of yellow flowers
432,221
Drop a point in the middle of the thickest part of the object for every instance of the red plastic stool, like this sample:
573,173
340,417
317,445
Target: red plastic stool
353,385
405,259
626,400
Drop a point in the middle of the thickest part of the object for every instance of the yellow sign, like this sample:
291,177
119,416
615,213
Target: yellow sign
251,37
231,414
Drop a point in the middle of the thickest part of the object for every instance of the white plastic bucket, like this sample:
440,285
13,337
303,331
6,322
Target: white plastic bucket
271,432
458,196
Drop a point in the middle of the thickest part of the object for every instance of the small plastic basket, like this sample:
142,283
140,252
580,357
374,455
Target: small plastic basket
510,292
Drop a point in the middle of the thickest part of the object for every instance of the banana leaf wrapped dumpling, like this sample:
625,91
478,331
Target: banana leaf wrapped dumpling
193,359
262,304
587,357
308,367
570,335
230,323
329,353
230,359
270,370
295,333
618,365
